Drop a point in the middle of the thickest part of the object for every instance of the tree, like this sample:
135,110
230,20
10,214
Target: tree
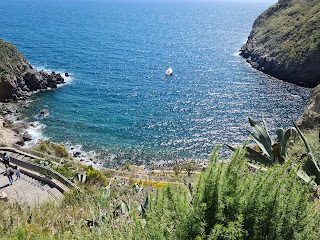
189,168
177,169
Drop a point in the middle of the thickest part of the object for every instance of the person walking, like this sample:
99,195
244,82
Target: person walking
5,159
9,172
17,171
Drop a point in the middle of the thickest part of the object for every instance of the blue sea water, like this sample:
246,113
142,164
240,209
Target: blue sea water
120,103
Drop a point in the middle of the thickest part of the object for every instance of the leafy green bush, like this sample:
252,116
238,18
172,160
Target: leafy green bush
228,201
231,202
53,149
61,151
95,176
189,168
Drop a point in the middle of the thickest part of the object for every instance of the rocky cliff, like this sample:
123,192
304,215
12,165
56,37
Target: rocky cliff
285,42
17,77
311,116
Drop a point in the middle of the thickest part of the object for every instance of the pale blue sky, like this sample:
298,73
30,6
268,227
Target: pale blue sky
172,1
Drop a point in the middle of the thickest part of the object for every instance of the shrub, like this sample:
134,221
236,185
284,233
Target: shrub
228,201
61,151
176,169
95,176
231,202
189,168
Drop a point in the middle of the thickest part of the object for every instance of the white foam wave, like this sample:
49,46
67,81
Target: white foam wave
35,130
236,54
68,80
85,157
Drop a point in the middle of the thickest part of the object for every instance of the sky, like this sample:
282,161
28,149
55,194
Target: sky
172,1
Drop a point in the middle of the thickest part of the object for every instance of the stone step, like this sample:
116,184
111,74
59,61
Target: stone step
9,154
56,193
20,157
27,159
27,189
31,196
46,187
32,181
14,155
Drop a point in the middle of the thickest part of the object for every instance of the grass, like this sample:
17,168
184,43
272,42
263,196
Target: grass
293,31
53,149
227,201
11,60
298,150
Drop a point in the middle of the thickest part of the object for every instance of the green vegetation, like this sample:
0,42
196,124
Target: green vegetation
268,152
52,149
228,201
189,168
288,33
11,60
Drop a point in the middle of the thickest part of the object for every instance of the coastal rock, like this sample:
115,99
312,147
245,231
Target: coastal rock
285,42
20,141
44,113
77,154
311,116
66,74
17,77
26,137
18,127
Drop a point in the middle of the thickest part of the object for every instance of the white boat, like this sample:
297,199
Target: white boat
169,71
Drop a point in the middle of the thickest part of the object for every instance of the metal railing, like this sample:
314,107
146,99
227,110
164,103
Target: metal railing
46,171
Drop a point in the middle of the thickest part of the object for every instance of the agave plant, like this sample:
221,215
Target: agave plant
143,208
311,166
82,176
269,151
272,152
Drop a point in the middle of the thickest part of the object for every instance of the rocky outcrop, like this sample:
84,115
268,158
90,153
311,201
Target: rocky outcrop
311,116
285,42
17,77
44,113
26,137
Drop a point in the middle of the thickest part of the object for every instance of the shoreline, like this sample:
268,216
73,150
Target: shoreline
17,132
10,128
13,128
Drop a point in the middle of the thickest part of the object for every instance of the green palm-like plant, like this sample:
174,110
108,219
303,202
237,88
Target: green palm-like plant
270,152
310,166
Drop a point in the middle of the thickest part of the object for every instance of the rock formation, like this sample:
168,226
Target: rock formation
285,42
44,113
17,77
311,116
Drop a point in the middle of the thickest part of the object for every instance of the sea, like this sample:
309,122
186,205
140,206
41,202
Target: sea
118,103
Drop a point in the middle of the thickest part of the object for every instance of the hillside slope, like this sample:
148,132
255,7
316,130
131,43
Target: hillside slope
285,42
311,116
17,77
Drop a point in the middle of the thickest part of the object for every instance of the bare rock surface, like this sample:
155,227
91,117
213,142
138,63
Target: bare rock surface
18,79
311,116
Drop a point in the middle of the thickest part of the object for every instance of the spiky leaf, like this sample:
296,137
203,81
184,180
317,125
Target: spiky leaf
258,157
262,138
310,166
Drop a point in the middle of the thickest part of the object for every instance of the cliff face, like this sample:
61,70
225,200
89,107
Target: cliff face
17,77
285,42
311,116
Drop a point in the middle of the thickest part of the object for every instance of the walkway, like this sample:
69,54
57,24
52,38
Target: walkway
32,187
27,190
